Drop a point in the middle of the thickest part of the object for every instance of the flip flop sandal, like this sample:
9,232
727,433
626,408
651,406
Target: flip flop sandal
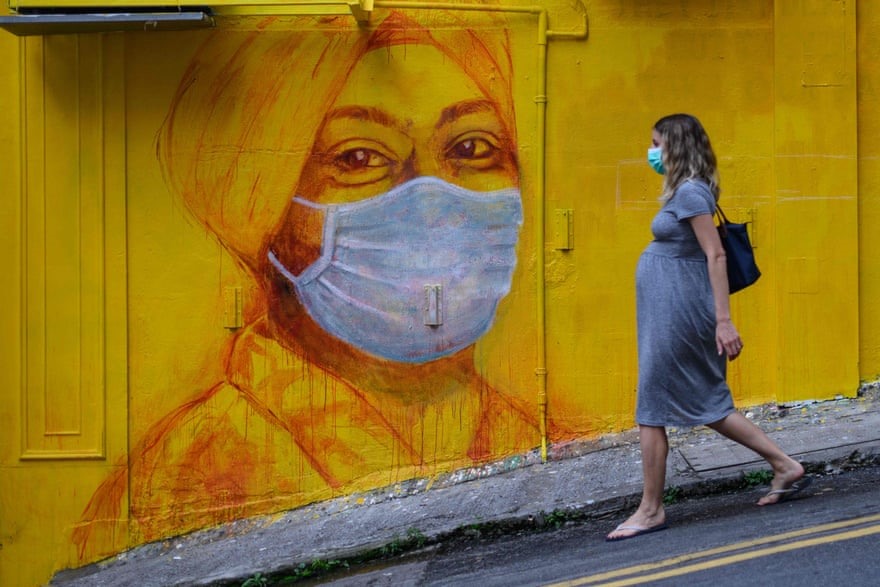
637,531
791,491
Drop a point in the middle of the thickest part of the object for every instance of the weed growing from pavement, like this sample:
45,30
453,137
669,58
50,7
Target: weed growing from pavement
672,495
258,580
414,539
756,478
556,518
302,571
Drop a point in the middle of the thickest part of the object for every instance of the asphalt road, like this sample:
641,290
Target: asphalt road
828,535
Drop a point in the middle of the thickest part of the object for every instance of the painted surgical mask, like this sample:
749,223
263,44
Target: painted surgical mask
655,159
414,274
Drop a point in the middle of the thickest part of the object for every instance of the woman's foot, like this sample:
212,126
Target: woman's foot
784,481
637,524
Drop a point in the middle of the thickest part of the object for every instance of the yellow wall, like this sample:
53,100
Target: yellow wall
135,410
868,74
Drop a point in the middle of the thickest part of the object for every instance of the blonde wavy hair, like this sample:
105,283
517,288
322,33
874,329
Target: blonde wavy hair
687,154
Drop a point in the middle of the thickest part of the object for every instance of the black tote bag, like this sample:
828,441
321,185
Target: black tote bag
742,270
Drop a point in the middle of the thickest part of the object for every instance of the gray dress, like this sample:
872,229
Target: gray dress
681,375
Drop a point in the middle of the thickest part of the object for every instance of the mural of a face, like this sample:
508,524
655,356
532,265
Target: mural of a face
408,199
387,157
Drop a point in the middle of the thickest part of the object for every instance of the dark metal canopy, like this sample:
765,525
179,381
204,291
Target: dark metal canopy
75,23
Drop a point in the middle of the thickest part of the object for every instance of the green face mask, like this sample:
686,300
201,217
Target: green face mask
655,159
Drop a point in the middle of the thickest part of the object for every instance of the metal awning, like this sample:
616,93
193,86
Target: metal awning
75,23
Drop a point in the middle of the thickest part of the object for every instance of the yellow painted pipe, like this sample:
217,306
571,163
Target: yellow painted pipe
541,234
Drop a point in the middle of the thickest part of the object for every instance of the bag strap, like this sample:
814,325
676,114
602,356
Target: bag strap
722,220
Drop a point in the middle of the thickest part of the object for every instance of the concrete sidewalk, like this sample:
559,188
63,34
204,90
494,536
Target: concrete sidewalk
583,480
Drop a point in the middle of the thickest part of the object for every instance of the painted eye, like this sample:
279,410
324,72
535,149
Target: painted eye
356,159
472,148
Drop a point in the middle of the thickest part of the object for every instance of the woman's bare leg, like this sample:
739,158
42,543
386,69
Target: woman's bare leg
654,447
786,470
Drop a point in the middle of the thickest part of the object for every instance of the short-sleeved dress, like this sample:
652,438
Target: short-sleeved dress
681,375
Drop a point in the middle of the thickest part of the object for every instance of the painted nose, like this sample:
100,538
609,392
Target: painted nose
421,162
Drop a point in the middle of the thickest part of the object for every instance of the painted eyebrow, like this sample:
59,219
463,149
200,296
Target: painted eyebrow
366,113
455,111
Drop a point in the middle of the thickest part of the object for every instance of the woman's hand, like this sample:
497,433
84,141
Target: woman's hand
727,339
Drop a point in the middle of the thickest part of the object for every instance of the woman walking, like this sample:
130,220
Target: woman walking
685,334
